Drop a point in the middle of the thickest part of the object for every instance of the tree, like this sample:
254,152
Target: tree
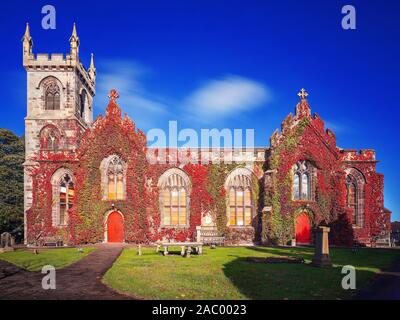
12,156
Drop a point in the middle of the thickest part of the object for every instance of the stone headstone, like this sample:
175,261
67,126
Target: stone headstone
188,252
6,242
198,234
139,252
321,255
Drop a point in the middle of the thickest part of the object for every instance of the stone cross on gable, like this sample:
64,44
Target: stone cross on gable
113,95
303,94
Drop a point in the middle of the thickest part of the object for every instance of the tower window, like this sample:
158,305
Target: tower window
52,97
49,138
82,107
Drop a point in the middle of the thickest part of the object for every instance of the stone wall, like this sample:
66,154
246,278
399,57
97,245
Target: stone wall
71,78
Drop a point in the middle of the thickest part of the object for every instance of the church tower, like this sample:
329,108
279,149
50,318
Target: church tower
60,95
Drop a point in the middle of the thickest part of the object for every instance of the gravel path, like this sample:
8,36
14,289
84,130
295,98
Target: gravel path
386,285
81,280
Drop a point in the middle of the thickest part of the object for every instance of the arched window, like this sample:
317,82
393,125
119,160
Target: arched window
355,186
174,186
82,102
240,202
63,196
52,97
67,194
351,199
302,181
116,177
50,138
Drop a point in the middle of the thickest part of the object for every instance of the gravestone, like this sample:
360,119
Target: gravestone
321,256
6,242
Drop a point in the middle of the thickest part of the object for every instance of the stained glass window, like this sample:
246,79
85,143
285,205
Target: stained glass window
66,199
115,174
355,185
302,178
240,207
52,95
174,199
351,200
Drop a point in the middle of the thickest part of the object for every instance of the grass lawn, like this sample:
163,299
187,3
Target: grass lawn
59,258
224,273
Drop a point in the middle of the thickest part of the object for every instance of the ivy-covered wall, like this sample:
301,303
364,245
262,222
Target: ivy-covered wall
302,137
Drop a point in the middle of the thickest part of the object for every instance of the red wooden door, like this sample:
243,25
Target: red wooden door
115,227
303,229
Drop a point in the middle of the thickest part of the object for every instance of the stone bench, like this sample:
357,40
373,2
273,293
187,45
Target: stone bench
383,243
52,242
209,236
186,247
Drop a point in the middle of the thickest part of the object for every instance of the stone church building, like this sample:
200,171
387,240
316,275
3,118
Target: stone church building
97,181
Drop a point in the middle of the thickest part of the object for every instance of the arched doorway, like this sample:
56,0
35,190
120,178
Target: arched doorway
303,229
115,228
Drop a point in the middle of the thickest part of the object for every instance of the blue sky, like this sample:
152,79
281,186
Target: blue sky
171,59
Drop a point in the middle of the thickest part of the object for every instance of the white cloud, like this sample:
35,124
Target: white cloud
127,78
336,128
226,97
214,101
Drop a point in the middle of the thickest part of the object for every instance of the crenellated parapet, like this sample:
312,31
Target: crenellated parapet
59,62
365,155
182,156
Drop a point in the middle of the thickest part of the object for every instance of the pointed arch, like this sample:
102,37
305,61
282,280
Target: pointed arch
50,138
239,187
83,103
63,192
49,79
303,180
175,187
113,178
355,197
106,224
304,220
240,177
52,92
